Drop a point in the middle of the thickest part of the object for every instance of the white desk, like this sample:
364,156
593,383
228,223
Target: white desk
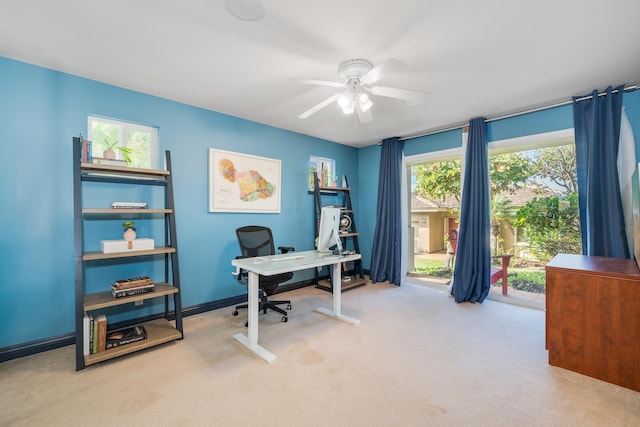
276,264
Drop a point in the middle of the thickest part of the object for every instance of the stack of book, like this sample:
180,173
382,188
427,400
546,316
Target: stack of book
109,162
132,286
129,205
125,336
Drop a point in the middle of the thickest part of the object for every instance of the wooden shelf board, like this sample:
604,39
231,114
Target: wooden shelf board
90,167
333,189
111,211
348,234
105,299
159,331
88,256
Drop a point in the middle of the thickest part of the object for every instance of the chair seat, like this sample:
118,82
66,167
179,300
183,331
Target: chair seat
270,283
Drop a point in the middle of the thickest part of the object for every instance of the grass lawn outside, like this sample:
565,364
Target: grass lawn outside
524,279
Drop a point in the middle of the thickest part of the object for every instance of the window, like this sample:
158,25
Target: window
534,209
135,143
326,169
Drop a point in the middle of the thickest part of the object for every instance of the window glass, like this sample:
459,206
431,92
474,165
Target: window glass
326,170
135,144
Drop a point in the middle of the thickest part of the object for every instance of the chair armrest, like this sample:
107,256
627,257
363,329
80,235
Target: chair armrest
240,272
285,249
506,258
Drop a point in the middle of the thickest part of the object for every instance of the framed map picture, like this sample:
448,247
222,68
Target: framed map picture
243,183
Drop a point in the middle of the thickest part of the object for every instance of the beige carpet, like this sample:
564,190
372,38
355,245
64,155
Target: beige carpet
416,359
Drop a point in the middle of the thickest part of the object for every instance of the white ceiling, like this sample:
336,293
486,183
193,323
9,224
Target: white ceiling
475,58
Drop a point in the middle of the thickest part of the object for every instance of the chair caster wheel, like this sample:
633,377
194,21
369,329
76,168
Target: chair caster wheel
285,319
289,307
235,312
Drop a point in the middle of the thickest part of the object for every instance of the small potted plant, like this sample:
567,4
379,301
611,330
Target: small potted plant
129,232
111,146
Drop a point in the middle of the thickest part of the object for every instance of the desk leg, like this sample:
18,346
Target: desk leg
337,298
251,341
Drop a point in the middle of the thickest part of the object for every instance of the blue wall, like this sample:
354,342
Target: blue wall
550,120
41,110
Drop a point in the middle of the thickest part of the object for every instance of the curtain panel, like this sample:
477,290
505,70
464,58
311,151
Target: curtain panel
386,253
472,270
597,136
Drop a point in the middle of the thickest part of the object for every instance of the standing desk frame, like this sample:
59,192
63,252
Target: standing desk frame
283,263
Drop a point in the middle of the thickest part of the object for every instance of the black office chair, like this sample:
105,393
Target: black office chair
255,240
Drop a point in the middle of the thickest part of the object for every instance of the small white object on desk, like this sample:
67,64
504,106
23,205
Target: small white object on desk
112,246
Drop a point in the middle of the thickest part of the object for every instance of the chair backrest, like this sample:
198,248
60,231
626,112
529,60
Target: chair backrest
255,240
453,240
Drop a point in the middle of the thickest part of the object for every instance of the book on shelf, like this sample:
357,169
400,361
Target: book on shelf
102,332
94,339
87,322
125,336
120,293
107,162
129,205
132,282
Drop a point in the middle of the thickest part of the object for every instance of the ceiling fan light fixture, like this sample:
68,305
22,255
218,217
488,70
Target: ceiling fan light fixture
349,109
364,106
358,76
344,100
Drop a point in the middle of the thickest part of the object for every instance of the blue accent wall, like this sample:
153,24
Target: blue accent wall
368,172
436,142
41,110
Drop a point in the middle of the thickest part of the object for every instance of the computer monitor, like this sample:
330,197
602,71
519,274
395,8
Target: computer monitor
329,230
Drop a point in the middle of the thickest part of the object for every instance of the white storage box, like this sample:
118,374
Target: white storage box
111,246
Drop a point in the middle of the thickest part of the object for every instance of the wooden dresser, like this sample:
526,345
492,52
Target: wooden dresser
593,317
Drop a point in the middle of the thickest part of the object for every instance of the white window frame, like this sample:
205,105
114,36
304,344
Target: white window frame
318,161
124,128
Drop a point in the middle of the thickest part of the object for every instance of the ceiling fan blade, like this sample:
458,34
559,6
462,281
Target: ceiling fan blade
363,116
319,106
388,66
320,82
405,94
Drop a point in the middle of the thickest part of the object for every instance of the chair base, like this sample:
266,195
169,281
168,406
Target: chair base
265,305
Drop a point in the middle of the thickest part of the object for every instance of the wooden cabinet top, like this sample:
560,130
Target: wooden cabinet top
614,267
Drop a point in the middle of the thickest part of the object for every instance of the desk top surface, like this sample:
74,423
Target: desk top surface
292,261
595,264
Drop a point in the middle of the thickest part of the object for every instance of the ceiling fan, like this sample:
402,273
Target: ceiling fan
357,76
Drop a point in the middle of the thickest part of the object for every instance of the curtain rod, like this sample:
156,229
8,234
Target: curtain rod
630,88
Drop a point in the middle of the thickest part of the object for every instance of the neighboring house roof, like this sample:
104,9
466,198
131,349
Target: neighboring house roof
525,194
519,198
422,204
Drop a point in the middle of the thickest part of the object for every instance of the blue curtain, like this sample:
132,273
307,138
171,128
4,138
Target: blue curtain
473,258
597,135
387,249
